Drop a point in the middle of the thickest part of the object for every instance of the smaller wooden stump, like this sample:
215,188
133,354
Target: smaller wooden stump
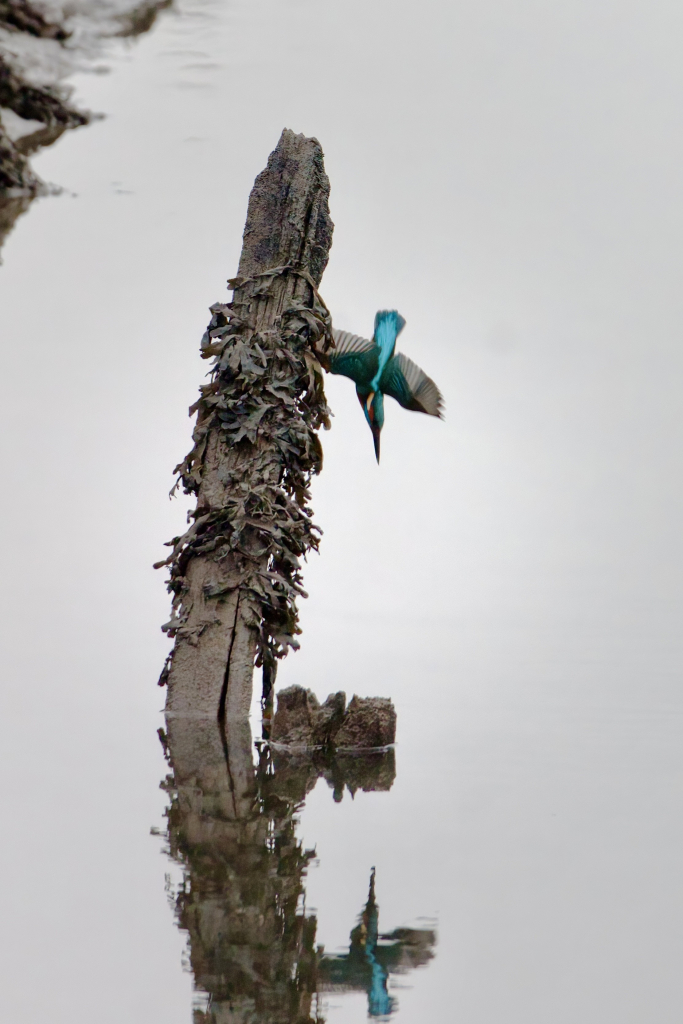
301,721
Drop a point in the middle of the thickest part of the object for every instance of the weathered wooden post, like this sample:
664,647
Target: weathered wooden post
236,573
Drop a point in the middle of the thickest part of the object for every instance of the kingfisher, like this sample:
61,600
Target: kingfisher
377,371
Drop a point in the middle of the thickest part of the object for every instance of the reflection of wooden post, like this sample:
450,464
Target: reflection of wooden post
251,947
232,828
235,573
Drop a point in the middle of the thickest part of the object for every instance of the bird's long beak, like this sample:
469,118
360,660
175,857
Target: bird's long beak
375,437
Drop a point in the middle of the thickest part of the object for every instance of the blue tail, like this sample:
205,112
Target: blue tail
388,326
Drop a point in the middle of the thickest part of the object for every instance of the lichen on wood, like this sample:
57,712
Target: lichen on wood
235,575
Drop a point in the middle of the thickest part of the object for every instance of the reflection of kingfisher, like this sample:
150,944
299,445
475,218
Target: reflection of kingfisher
373,957
380,1003
377,372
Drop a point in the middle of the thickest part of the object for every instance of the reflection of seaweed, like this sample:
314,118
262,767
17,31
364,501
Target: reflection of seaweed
232,828
372,957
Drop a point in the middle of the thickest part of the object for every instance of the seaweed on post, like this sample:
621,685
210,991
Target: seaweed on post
235,575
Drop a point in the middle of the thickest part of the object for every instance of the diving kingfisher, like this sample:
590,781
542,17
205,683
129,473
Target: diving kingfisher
377,372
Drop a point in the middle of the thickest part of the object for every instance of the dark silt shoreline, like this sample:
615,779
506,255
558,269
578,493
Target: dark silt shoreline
41,111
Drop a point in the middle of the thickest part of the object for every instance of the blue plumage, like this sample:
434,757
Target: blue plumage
377,371
388,326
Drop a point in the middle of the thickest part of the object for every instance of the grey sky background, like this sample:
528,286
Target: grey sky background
507,175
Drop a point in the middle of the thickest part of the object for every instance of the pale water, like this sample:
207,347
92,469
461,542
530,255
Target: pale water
509,177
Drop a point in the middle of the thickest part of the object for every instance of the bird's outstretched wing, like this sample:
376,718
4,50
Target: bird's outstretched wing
411,387
353,357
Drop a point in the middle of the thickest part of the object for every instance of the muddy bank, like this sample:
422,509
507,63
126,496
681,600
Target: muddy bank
40,115
41,44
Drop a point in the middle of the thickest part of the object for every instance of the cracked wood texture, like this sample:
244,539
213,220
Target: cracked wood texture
288,223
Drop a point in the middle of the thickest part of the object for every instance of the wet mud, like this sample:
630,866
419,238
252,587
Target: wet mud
39,48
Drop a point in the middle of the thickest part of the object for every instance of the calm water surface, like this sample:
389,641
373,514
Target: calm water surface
508,176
